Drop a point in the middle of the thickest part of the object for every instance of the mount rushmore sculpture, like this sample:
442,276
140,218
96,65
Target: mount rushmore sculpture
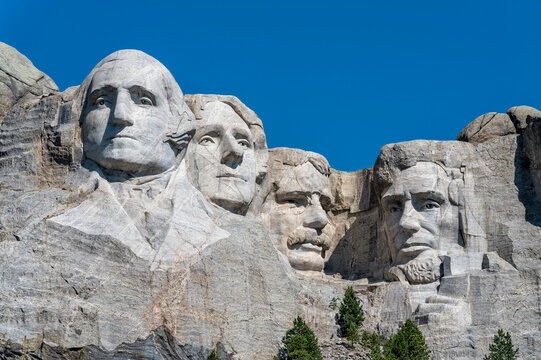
140,222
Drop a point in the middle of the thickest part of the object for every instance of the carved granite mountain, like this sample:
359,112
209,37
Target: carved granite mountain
139,222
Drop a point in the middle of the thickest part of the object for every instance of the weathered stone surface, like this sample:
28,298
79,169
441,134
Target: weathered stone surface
20,81
137,222
522,116
487,126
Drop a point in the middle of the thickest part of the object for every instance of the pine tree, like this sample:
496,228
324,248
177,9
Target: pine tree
352,333
502,348
407,344
350,312
300,342
213,356
372,342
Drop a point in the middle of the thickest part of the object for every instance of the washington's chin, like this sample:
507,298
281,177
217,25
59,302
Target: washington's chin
306,257
131,161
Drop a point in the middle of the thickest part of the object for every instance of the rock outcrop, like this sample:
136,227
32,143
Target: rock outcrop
139,222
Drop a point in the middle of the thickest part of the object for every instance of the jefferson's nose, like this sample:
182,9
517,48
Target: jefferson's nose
232,151
409,221
315,217
122,113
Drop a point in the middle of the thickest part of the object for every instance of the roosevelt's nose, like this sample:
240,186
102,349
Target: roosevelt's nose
122,112
409,221
232,151
315,217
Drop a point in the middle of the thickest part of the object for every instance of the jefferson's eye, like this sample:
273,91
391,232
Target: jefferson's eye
244,143
206,140
145,101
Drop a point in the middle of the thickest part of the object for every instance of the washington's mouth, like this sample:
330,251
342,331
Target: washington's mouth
231,176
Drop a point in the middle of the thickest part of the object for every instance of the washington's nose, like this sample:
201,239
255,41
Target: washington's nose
315,217
409,221
232,151
121,112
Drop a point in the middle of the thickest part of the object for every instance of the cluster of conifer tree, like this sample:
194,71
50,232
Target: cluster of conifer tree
300,342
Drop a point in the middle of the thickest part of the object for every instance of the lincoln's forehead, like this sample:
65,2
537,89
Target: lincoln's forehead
304,178
421,178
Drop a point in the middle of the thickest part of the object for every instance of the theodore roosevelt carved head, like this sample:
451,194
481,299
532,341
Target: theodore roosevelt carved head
296,208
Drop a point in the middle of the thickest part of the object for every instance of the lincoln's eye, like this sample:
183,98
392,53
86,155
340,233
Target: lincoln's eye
430,205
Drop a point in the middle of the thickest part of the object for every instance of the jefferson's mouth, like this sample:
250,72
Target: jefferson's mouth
120,136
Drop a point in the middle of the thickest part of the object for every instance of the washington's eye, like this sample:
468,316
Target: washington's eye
100,101
145,101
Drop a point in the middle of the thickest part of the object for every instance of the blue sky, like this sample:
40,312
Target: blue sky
341,78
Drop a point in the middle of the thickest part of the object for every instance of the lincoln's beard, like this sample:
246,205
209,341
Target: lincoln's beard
418,271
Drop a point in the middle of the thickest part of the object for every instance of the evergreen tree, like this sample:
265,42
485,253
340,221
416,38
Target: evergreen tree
502,348
407,344
350,312
213,356
352,333
373,343
300,342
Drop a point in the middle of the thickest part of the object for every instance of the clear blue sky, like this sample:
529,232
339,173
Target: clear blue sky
341,78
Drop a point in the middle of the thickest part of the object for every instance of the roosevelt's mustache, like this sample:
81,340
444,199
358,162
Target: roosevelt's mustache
303,235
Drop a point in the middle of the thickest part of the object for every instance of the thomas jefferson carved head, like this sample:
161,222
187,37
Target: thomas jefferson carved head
295,209
134,115
228,154
423,206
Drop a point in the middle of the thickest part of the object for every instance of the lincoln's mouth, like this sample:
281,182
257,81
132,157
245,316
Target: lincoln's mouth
412,249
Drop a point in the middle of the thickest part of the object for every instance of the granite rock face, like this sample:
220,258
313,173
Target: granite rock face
139,222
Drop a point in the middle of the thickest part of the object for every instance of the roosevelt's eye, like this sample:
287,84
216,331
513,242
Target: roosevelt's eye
393,208
144,100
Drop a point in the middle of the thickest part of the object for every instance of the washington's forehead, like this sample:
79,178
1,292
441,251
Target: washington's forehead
423,177
304,178
127,74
